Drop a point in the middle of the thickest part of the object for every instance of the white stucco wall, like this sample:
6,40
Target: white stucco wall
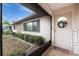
76,23
78,27
44,28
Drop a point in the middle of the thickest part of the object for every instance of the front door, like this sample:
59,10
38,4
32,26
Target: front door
63,33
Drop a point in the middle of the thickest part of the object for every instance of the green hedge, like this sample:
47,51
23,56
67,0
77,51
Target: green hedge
26,37
31,38
7,32
38,40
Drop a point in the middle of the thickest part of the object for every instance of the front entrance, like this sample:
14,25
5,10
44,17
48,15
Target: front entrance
63,31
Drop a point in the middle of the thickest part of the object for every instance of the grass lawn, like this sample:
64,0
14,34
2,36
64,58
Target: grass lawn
13,46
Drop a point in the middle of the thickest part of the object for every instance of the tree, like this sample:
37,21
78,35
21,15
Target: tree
9,24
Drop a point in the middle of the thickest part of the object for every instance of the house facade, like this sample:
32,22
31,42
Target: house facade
61,25
42,27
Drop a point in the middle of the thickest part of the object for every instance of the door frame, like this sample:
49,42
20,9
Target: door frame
70,15
53,28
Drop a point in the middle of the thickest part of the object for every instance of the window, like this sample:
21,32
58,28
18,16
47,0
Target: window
29,26
32,26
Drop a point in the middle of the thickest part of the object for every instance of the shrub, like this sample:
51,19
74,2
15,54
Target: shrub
26,37
31,38
8,33
20,35
15,34
38,40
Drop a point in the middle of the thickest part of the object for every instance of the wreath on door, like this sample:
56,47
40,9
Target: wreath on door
62,24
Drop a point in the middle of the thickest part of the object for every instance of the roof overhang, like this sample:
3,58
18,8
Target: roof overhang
30,18
51,7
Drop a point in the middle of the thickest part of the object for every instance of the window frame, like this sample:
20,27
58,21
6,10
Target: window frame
33,30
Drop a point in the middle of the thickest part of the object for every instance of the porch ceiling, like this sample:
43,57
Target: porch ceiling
50,7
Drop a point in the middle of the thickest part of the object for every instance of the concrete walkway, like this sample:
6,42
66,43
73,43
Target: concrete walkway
53,52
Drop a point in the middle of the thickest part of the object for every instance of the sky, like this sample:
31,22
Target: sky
13,12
